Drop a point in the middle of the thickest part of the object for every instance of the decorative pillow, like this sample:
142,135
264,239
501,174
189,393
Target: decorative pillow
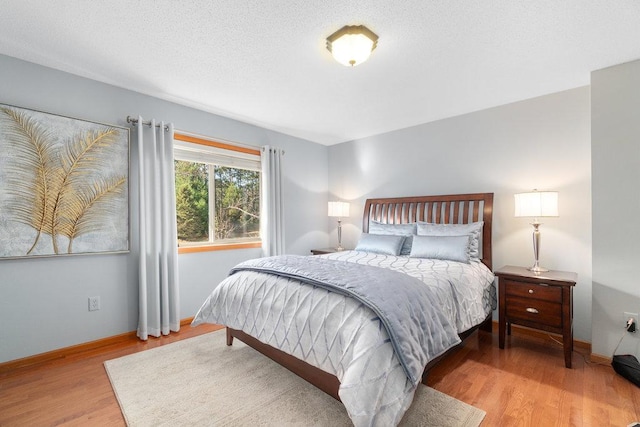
380,244
408,230
453,248
474,229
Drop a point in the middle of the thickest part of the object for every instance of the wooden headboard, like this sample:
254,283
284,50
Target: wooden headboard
446,209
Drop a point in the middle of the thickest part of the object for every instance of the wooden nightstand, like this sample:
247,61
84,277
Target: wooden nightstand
537,300
325,251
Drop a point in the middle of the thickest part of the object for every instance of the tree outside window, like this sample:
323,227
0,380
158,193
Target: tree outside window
216,204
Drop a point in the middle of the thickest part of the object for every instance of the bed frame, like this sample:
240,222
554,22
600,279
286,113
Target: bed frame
447,209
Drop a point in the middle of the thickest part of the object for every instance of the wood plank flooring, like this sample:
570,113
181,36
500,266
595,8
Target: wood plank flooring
526,384
75,390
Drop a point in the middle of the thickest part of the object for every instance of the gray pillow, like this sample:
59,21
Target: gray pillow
380,244
454,248
474,229
408,230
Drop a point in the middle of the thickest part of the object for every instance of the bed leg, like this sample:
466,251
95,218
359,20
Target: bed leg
487,325
229,337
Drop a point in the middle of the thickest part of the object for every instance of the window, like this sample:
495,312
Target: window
217,194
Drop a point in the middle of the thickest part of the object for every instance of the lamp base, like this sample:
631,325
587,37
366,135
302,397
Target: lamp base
538,269
536,248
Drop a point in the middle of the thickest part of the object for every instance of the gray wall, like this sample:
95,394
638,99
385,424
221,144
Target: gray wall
540,143
43,302
615,128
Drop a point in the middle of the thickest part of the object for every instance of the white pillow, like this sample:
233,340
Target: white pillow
380,244
474,229
453,248
408,230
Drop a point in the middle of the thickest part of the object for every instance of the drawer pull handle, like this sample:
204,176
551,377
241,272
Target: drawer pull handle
530,291
532,310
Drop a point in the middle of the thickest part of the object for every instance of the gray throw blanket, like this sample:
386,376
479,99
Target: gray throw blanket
418,329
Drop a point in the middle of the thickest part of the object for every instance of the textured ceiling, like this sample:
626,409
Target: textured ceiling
264,61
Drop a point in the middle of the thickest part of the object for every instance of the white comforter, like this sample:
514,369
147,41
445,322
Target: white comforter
340,335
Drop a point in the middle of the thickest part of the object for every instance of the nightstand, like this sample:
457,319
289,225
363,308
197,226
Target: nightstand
325,251
537,300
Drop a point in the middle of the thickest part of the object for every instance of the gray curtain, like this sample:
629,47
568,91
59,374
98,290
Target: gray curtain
158,264
272,203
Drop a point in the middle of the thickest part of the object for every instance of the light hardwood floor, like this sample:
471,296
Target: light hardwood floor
526,384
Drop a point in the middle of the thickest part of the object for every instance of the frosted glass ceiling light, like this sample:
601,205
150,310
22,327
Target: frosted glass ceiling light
351,45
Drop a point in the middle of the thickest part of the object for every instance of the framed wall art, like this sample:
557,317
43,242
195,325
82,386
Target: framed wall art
64,185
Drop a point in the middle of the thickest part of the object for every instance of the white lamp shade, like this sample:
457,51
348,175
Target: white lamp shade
339,209
536,204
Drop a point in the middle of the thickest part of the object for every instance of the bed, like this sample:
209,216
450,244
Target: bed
344,345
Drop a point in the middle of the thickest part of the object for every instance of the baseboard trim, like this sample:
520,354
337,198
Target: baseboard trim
545,335
597,358
66,352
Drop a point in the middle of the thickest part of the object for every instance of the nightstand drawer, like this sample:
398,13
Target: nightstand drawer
532,290
538,311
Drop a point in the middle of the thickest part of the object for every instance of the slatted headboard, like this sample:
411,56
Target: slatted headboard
446,209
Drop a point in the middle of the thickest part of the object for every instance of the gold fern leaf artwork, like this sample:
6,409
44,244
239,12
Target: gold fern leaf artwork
64,185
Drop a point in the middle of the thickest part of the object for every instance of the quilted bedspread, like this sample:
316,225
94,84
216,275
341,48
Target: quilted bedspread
341,335
417,332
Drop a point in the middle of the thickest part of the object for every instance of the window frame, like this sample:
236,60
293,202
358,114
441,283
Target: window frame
210,246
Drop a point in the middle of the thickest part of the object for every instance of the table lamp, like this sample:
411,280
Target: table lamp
339,210
536,204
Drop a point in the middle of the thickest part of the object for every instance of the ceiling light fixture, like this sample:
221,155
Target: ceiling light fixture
351,45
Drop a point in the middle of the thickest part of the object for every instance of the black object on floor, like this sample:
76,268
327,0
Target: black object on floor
628,366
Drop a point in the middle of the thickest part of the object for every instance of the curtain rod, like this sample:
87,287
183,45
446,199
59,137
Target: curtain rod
145,123
273,148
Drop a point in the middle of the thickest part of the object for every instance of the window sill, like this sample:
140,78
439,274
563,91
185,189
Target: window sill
218,247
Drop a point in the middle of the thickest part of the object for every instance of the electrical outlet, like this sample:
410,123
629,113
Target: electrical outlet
94,304
628,316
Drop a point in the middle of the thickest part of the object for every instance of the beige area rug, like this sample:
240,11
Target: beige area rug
202,382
